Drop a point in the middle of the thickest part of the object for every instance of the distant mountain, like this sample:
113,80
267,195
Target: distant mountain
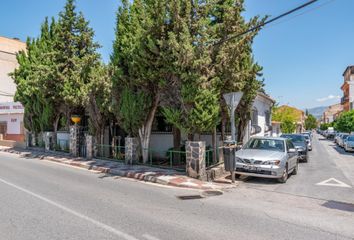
317,112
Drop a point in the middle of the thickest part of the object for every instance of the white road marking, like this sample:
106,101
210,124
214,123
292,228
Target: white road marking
336,184
149,237
68,210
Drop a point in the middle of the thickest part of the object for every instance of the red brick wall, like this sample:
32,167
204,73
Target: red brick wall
15,137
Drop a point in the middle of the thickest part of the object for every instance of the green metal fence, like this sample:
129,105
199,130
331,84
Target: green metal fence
115,153
171,159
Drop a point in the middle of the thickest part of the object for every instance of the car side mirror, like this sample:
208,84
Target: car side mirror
292,150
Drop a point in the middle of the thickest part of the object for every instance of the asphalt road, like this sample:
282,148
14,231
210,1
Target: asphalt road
43,200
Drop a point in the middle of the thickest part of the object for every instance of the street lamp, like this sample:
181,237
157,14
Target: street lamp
76,119
232,100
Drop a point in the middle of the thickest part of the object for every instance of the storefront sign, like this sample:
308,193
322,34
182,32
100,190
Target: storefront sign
11,108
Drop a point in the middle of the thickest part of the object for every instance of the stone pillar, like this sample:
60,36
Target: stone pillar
131,150
89,147
74,141
195,160
48,141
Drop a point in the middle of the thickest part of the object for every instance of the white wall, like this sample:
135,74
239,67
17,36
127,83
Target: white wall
13,122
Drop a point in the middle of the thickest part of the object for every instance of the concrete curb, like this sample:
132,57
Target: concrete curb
153,175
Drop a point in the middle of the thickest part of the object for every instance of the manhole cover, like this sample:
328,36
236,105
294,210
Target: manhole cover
211,193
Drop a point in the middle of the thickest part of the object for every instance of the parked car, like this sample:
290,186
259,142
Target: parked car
309,133
267,157
300,144
336,137
341,139
349,143
309,142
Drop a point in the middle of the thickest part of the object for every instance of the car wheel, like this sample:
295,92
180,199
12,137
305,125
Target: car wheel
306,159
237,176
296,169
285,175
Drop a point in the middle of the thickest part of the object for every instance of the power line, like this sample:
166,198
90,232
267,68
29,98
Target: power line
303,13
267,22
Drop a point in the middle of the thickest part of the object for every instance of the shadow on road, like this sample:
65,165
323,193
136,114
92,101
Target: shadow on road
348,207
340,150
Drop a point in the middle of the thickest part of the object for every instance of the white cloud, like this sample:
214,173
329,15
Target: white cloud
329,97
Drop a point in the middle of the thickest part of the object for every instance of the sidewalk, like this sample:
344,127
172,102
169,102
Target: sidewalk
143,173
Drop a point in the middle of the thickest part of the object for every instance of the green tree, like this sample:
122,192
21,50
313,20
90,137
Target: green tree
345,123
310,122
287,126
75,57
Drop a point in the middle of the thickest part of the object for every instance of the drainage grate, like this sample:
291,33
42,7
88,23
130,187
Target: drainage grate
189,197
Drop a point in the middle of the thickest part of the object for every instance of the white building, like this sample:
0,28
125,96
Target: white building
11,113
261,118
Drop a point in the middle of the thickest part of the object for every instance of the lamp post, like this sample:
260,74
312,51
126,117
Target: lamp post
76,119
232,100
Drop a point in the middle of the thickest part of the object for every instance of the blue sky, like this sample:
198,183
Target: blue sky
303,56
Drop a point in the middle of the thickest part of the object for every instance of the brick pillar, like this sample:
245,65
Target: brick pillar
131,150
195,160
48,140
74,141
89,147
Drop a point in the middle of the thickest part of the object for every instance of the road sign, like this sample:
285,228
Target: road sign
333,183
232,100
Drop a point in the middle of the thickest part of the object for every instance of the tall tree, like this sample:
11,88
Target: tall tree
75,56
310,122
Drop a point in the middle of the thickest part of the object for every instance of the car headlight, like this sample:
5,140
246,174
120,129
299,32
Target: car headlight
272,162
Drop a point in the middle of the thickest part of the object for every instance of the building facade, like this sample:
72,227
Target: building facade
332,113
348,89
261,118
11,113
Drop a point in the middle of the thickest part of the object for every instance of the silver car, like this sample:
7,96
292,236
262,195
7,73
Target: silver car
267,157
349,144
342,139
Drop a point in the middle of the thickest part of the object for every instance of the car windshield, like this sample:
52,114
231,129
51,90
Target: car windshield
295,138
350,139
266,144
345,136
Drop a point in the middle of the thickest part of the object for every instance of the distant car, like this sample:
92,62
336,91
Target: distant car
309,133
267,157
309,142
349,143
341,139
300,144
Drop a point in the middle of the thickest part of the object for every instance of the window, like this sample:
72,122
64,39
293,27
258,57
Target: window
267,118
254,117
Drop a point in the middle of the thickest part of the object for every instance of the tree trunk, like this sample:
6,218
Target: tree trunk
176,144
215,147
145,130
55,129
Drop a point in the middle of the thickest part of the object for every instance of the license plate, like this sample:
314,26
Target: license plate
251,168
